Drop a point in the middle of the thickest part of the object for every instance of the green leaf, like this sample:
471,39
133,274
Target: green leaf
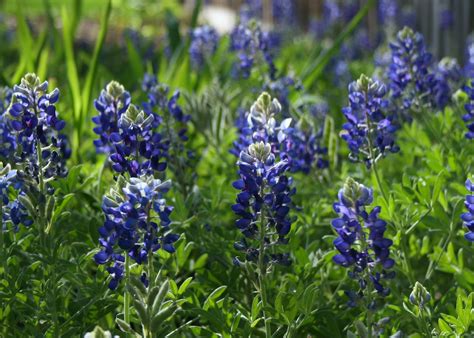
59,209
184,285
26,202
140,307
26,62
71,69
124,326
159,318
159,298
256,307
136,62
255,322
173,287
138,288
210,301
362,330
92,69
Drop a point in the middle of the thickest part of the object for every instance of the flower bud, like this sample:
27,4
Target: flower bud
419,296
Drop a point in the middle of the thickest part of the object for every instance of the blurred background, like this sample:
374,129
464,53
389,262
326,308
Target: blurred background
445,23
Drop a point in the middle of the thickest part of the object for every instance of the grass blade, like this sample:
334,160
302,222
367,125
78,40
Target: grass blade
316,68
93,65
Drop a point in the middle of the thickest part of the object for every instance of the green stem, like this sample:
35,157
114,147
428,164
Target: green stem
369,287
425,324
387,202
369,322
126,296
262,269
54,297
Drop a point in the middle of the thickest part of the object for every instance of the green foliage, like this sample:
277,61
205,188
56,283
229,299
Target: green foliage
50,285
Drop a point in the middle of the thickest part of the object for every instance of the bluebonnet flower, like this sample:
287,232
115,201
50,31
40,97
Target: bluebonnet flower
446,19
172,124
302,150
284,12
448,77
7,178
137,148
368,132
280,89
339,69
419,295
411,80
388,11
137,224
331,16
469,65
382,60
469,106
361,243
250,9
302,144
41,149
299,145
253,47
160,102
111,104
244,133
468,217
260,125
264,203
11,210
204,40
7,139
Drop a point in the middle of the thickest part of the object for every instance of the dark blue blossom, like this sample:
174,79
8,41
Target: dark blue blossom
361,243
368,132
302,150
446,19
17,214
302,145
299,145
41,150
162,106
137,224
468,217
284,12
7,138
469,65
411,80
388,11
254,47
281,87
11,210
264,203
172,124
260,124
111,104
7,178
250,9
204,40
448,75
469,106
138,149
